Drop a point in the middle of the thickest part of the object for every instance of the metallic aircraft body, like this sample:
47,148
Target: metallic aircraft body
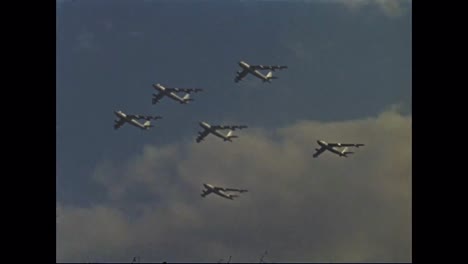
253,69
132,119
220,191
172,93
208,129
332,147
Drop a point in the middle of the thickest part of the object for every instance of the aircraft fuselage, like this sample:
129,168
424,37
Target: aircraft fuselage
329,148
258,74
211,188
213,131
131,121
170,94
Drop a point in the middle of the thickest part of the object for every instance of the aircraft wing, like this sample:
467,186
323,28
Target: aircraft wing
269,67
145,117
206,192
318,152
345,145
119,123
202,135
157,97
221,192
184,90
241,75
234,190
228,127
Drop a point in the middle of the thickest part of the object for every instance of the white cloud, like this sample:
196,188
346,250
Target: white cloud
98,231
299,208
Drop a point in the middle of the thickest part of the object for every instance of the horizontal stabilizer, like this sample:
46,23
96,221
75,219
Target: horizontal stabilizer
230,135
187,98
147,124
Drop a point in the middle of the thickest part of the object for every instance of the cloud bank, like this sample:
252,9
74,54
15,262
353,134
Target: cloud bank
299,209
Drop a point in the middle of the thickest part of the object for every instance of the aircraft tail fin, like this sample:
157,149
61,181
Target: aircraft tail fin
187,98
147,124
230,135
270,76
345,152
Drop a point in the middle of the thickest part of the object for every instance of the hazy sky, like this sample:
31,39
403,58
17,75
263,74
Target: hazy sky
129,192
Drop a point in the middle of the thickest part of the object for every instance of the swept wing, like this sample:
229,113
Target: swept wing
119,123
234,190
144,117
268,67
158,97
184,90
318,152
241,75
220,127
345,145
202,135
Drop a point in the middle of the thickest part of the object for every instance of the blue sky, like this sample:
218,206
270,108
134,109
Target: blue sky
346,62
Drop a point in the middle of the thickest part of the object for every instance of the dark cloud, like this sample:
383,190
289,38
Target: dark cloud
299,208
